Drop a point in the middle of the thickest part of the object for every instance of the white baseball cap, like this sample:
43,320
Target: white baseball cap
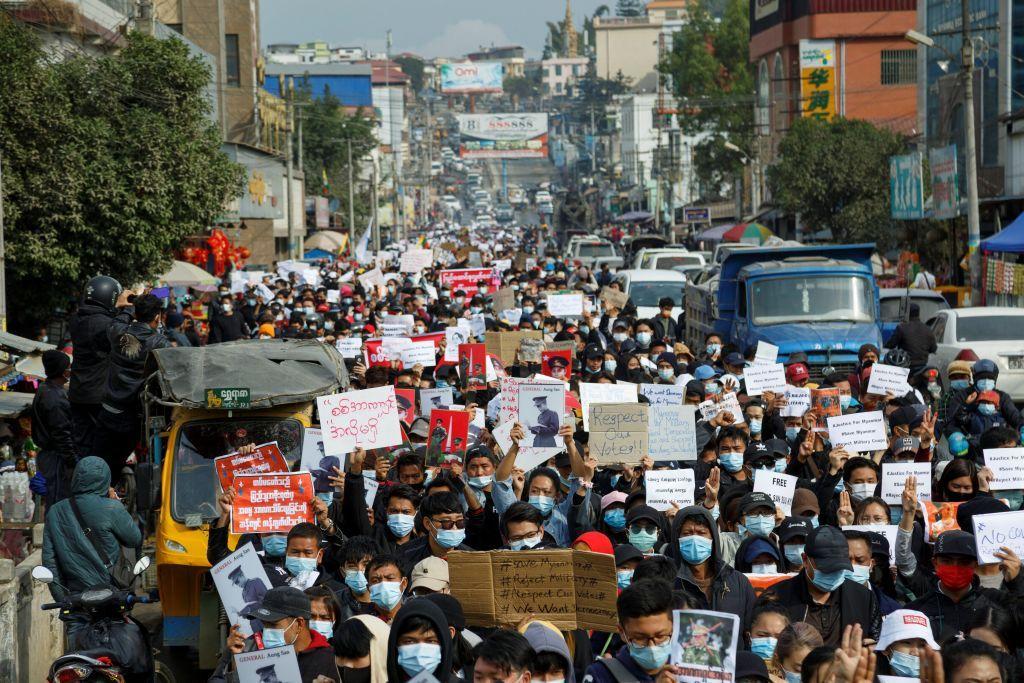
905,624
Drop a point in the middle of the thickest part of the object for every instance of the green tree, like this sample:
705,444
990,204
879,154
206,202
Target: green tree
554,44
521,88
594,93
588,24
412,66
109,164
629,8
836,176
713,81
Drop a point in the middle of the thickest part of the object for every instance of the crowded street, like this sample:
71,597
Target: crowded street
394,357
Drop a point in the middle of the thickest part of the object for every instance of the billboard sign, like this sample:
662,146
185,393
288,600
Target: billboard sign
696,214
906,187
503,136
945,184
818,79
765,8
471,77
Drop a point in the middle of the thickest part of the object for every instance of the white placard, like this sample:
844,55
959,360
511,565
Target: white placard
541,409
766,353
333,296
502,435
414,260
888,379
453,336
894,478
565,305
665,487
998,529
423,353
501,265
316,462
604,393
767,377
278,664
349,347
370,486
477,325
391,330
241,582
781,487
264,293
798,402
435,399
887,530
860,432
371,278
1007,464
393,347
672,432
663,394
710,408
406,320
367,418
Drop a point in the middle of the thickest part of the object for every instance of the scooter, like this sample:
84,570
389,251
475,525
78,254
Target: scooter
115,647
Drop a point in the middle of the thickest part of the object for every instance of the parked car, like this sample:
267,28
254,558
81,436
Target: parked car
992,332
646,287
504,213
586,251
895,307
667,259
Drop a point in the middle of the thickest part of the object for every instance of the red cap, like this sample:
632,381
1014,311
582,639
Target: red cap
369,329
323,308
990,396
797,372
346,290
967,354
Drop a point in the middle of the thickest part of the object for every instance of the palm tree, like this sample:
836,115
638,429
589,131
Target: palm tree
555,45
588,24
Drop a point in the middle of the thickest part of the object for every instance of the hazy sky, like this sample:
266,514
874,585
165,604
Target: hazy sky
430,28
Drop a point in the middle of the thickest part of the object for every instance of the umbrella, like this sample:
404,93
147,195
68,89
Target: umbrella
714,234
751,233
634,216
184,274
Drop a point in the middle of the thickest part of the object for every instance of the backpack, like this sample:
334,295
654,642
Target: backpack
619,672
120,570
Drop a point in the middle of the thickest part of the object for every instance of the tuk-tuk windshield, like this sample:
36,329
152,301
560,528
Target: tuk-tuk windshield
194,482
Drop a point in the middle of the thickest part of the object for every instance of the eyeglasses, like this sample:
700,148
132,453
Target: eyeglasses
656,641
523,537
448,524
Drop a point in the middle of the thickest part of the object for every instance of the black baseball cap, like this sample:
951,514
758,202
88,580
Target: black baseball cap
282,602
757,450
756,499
735,358
644,512
879,545
624,552
827,546
906,444
779,447
794,527
955,542
593,351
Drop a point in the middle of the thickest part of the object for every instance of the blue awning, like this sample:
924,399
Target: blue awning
1008,240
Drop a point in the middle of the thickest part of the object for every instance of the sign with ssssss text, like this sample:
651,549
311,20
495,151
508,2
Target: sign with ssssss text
503,136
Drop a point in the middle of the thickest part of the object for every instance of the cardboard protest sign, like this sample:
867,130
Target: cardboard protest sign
557,364
710,408
565,305
672,432
663,394
894,479
798,402
531,350
888,379
435,399
241,583
613,298
618,432
349,347
505,344
367,418
665,487
704,645
572,589
319,465
266,458
504,299
997,529
825,404
765,377
473,366
466,279
860,432
781,487
1007,464
406,399
938,519
591,393
541,408
271,503
448,438
273,665
766,353
887,530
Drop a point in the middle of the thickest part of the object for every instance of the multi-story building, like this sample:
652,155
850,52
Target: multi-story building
350,83
512,56
561,74
629,46
78,27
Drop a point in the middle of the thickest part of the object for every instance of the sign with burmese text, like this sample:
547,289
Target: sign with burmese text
266,458
354,419
271,503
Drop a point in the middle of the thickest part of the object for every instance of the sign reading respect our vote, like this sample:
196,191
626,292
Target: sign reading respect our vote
618,432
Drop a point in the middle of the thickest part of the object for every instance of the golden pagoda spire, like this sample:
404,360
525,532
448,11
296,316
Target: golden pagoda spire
570,39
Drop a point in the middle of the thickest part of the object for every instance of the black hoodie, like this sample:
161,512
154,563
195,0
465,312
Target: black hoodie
432,613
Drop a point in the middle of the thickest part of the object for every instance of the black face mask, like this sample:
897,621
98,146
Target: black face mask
350,675
956,497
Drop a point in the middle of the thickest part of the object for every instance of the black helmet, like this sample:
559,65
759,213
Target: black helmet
897,357
103,290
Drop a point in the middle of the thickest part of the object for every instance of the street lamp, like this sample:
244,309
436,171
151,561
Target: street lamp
971,162
755,176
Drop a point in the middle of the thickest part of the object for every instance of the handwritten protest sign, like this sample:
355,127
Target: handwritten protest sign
781,487
271,503
887,530
704,645
618,432
565,305
710,408
672,432
663,394
504,299
798,402
531,350
366,418
894,478
273,665
241,583
665,487
766,353
886,379
998,529
371,278
860,432
422,353
613,298
349,347
573,589
266,458
414,260
1007,464
591,393
766,377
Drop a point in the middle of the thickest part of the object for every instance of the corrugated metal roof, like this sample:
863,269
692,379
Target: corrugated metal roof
13,341
13,403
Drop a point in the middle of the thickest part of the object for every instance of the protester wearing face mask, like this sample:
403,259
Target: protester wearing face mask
420,641
324,610
731,448
522,528
593,360
387,585
820,594
270,547
796,641
354,557
958,387
960,481
361,649
667,368
766,625
905,634
968,415
444,525
792,536
644,527
621,342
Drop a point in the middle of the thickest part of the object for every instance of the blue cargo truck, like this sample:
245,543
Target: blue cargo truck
821,300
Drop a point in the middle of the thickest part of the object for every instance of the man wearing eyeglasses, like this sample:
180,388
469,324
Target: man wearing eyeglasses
445,527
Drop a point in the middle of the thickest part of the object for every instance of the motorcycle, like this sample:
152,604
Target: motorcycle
115,648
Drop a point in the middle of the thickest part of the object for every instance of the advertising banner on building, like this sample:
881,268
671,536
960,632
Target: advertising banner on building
765,8
503,136
945,184
906,187
818,79
471,77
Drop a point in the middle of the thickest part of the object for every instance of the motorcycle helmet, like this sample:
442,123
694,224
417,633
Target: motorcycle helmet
104,291
898,358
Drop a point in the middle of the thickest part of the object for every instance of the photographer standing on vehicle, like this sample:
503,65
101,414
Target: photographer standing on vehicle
81,560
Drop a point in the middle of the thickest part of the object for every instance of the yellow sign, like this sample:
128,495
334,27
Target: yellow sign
818,92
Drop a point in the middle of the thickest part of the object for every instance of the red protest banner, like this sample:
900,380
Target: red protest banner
266,458
466,279
473,366
271,503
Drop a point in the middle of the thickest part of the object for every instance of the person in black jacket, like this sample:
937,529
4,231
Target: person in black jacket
820,593
53,427
916,338
420,641
665,327
227,325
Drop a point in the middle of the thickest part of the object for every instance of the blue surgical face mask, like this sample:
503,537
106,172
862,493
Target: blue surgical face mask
327,497
526,543
712,389
481,482
712,349
615,519
794,554
759,525
298,565
615,480
986,408
959,384
619,337
527,310
643,338
860,573
623,577
542,503
695,549
792,433
985,384
651,657
732,461
792,677
814,521
828,581
356,580
324,628
666,374
755,425
610,365
419,657
400,524
780,465
763,647
903,664
844,401
643,540
274,637
386,594
274,545
450,538
441,384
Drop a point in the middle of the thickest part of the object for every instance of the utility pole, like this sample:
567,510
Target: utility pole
302,167
293,244
3,253
376,224
973,214
351,193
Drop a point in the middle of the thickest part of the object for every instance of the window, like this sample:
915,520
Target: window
558,69
899,67
558,87
175,27
234,71
575,69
